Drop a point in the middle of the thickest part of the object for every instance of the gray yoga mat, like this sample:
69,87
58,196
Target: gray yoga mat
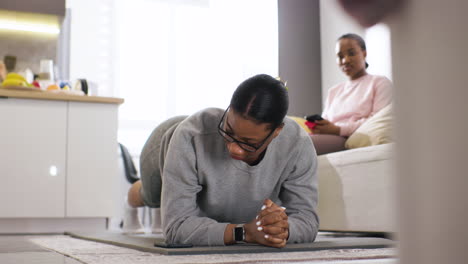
147,242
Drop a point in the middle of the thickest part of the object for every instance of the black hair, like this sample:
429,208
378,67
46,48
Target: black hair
261,98
358,39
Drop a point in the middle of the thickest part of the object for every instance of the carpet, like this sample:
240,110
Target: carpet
146,243
90,252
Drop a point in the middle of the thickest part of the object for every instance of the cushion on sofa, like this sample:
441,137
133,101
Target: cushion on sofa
301,121
375,131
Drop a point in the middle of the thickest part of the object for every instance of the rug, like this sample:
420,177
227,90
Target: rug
155,243
90,252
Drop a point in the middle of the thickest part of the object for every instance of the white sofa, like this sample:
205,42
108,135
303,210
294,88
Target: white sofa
357,190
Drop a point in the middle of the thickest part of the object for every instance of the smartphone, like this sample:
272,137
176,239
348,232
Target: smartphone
313,118
163,244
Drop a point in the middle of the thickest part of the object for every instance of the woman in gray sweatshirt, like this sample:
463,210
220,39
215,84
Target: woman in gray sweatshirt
244,174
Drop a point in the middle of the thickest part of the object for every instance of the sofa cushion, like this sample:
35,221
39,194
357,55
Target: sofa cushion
301,121
375,131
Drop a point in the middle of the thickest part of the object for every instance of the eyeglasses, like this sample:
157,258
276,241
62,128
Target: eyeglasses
245,146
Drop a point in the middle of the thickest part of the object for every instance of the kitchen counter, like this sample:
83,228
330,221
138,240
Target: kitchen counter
45,95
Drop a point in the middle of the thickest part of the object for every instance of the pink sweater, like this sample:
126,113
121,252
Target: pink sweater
351,103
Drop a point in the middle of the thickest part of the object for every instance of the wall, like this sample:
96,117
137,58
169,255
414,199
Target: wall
52,7
334,22
299,54
30,37
430,41
29,48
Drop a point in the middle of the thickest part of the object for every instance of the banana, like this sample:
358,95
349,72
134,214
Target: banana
15,79
14,75
14,82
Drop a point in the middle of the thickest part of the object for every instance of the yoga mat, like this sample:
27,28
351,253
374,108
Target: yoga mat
146,243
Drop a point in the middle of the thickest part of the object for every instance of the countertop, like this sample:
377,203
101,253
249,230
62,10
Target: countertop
47,95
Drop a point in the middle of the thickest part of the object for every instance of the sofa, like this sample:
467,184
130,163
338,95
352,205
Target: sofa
356,186
357,190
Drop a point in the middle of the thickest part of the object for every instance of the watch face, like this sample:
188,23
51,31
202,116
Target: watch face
239,234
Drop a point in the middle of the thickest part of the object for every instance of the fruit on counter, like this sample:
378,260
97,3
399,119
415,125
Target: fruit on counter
53,87
14,82
14,75
36,84
64,83
15,79
66,88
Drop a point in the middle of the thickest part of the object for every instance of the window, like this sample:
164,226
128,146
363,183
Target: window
178,57
170,57
378,50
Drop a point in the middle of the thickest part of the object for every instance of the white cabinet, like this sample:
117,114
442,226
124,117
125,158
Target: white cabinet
92,159
58,158
32,158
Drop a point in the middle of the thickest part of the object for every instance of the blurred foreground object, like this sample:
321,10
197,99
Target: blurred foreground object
370,12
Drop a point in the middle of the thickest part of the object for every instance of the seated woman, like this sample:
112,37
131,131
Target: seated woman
351,103
244,174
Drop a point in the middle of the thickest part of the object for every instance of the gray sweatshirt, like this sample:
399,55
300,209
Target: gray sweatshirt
204,189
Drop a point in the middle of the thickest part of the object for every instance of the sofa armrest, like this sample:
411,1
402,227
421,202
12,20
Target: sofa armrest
357,190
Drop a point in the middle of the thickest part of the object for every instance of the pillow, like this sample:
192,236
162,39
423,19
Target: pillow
301,121
376,130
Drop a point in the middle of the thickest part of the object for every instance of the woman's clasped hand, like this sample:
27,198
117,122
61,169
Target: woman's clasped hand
270,227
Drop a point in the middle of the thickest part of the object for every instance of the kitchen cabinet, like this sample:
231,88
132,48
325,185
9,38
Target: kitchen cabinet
32,158
50,7
58,156
91,160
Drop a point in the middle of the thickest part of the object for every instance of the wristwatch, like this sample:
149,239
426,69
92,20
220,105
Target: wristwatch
239,233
